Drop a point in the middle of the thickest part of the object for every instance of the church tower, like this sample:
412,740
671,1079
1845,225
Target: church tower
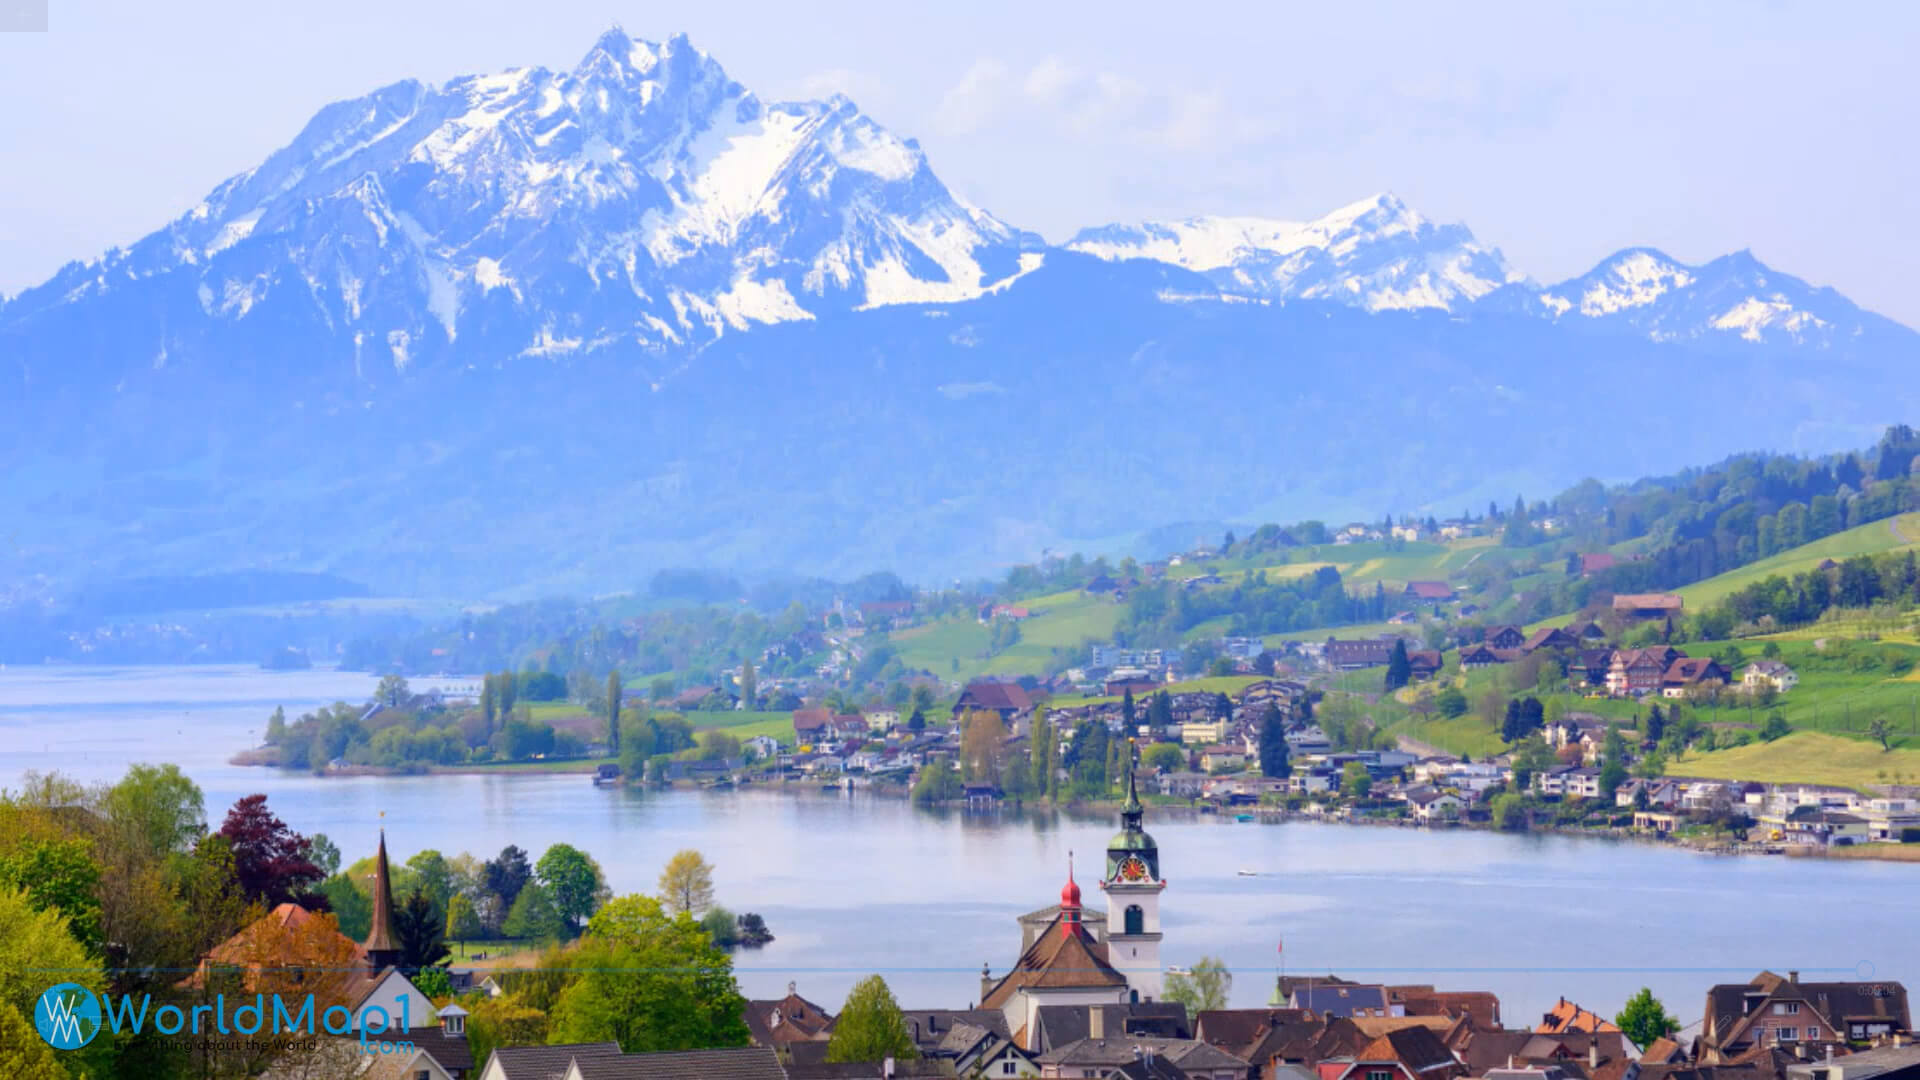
1133,885
380,947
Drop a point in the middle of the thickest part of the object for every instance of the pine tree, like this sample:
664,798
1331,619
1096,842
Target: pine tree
489,704
1126,711
749,685
1274,759
1399,668
613,712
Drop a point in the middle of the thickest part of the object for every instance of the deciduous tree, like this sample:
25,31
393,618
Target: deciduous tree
870,1026
650,982
272,863
574,881
686,884
1203,989
1644,1019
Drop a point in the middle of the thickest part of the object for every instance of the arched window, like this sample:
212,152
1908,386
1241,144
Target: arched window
1136,920
1134,996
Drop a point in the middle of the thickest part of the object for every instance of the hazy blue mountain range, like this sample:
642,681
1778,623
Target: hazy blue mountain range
544,330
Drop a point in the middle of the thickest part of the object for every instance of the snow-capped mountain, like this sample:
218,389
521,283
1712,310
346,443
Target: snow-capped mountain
642,198
1736,296
1376,254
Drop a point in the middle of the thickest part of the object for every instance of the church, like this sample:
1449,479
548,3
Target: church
1070,956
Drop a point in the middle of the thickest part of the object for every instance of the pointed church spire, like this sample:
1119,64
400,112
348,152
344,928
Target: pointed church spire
1131,812
381,951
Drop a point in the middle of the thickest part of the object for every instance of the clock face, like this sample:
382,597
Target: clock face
1132,869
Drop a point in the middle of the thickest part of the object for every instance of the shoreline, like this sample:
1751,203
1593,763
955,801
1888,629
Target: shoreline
1868,852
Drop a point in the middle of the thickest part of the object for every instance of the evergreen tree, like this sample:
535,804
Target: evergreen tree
749,685
1656,723
1399,668
489,705
613,712
1274,761
1126,711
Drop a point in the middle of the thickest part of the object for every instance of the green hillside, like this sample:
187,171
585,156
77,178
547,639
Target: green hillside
1806,758
1891,534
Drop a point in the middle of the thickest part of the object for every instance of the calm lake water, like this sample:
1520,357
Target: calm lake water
857,885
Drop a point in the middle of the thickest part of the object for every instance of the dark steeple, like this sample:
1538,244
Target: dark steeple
382,953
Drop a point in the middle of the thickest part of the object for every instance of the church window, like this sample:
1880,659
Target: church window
1136,920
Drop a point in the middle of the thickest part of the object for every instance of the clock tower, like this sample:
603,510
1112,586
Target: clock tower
1133,884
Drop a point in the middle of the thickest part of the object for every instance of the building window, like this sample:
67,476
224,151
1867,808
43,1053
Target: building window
1787,1034
1786,1008
1379,1074
1010,1068
1136,920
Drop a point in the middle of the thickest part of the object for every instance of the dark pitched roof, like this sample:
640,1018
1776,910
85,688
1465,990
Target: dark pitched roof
451,1051
1418,1048
1237,1030
862,1070
1730,1005
785,1019
1189,1054
548,1062
737,1063
1058,1025
1156,1068
1005,696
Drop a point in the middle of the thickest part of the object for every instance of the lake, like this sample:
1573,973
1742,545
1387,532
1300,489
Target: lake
856,885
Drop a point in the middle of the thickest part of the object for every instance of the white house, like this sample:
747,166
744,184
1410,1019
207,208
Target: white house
1773,673
1431,806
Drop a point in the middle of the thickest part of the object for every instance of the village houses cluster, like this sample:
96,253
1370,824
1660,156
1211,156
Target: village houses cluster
1086,996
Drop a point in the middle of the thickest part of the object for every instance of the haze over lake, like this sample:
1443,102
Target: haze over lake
855,885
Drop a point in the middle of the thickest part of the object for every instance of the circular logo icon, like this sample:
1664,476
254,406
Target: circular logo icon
68,1016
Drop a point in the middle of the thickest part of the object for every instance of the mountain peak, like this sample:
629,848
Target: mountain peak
1375,254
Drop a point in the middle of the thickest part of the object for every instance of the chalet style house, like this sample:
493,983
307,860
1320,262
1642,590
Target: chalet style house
1774,1011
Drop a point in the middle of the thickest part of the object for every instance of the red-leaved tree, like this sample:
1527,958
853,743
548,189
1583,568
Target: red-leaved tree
272,863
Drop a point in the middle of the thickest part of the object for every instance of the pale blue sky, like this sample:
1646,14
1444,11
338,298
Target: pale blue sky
1558,132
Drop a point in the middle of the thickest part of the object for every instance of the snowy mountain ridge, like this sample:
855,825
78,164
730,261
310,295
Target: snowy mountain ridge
644,203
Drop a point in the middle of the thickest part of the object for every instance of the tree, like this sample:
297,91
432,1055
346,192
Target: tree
749,685
1274,761
432,875
574,881
1399,668
870,1026
1355,780
23,1054
982,736
686,884
1128,721
1644,1019
1776,727
489,707
37,949
272,863
613,712
324,853
507,875
1509,811
1204,989
650,982
58,874
1451,702
720,925
421,933
158,808
1656,724
463,922
1167,757
1881,731
533,916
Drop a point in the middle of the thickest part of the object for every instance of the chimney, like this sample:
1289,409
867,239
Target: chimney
986,981
1593,1051
1793,976
1096,1022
